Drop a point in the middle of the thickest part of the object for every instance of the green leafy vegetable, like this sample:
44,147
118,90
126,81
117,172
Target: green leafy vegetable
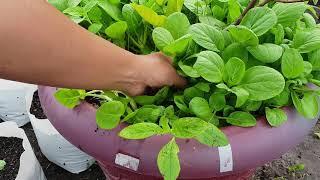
210,66
243,35
242,119
267,53
260,20
276,117
207,36
168,161
292,63
234,71
262,83
108,115
69,97
140,131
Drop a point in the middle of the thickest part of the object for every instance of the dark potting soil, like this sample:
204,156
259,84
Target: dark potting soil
36,108
52,171
10,151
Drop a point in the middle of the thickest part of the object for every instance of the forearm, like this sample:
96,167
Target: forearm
40,45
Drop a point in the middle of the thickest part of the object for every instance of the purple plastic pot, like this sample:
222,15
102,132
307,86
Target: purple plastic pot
249,147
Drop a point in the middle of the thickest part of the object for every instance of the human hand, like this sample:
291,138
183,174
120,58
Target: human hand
155,71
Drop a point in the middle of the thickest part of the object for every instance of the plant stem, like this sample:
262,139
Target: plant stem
94,91
100,96
250,6
264,3
135,42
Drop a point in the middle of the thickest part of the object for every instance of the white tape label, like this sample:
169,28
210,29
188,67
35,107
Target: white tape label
226,161
127,161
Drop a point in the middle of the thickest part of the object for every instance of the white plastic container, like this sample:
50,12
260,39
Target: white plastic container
30,168
55,147
14,100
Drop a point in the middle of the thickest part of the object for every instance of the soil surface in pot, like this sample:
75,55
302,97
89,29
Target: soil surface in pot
10,151
307,153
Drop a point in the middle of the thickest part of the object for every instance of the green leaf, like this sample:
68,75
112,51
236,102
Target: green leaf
117,30
172,21
307,106
217,101
61,5
260,20
212,136
111,9
198,7
2,164
75,11
174,6
218,12
161,37
234,10
317,135
140,131
188,127
282,99
191,92
205,87
267,53
251,106
309,20
132,18
180,103
73,3
276,117
188,70
279,33
164,123
307,40
144,100
307,68
90,5
200,107
314,59
289,13
210,66
292,64
96,15
109,113
95,27
262,83
242,95
162,95
178,46
148,114
69,98
149,15
168,161
234,71
235,50
242,119
211,21
243,35
207,36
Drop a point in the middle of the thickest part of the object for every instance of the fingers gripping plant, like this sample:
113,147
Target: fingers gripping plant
242,59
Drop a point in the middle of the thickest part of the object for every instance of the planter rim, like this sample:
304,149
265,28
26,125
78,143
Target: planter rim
248,148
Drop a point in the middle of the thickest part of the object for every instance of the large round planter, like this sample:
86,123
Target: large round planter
136,159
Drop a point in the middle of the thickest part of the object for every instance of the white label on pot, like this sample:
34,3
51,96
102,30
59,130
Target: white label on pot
226,161
127,161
